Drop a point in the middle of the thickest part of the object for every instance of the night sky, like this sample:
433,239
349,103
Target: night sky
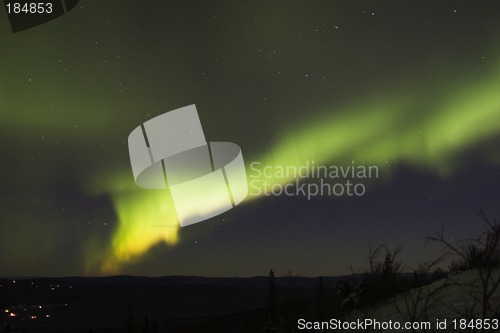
410,87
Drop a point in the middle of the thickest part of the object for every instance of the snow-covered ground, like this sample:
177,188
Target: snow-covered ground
457,297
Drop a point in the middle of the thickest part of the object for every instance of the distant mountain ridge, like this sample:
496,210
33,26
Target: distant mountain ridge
173,280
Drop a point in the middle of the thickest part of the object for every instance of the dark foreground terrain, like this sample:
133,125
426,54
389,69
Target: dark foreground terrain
141,304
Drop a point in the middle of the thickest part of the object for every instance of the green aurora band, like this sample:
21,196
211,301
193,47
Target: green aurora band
370,132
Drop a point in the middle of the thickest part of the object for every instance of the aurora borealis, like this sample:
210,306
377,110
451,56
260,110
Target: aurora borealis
412,88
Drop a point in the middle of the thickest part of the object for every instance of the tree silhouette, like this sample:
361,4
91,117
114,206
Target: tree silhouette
482,255
130,319
383,278
271,304
322,301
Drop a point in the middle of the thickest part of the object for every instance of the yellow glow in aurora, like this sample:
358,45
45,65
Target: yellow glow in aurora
146,218
371,133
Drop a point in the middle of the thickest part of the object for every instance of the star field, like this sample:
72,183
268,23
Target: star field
411,88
